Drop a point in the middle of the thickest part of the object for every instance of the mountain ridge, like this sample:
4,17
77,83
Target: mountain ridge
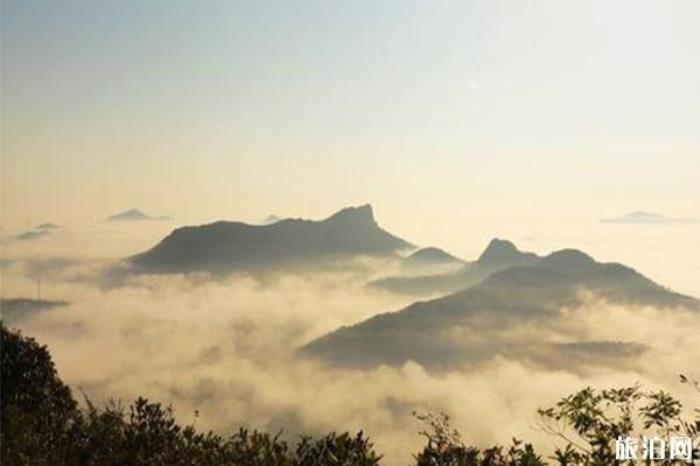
535,292
232,245
498,255
134,215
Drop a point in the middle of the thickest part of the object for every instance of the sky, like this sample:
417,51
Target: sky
449,113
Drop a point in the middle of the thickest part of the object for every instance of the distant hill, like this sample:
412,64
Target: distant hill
39,231
32,235
133,215
472,325
46,226
427,261
15,309
230,246
430,256
501,252
498,255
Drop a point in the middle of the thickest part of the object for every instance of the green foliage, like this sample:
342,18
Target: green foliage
145,434
39,415
589,421
43,425
334,449
445,448
692,427
252,448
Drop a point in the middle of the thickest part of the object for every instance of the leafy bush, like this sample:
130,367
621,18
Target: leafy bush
589,421
39,417
444,447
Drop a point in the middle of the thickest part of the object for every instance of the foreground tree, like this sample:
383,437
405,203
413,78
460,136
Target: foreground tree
39,420
590,421
444,447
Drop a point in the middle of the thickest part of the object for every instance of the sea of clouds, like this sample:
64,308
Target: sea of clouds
227,347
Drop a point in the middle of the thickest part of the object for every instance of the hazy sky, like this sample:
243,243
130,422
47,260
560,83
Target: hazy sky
432,110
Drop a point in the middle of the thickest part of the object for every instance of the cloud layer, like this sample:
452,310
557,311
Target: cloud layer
227,348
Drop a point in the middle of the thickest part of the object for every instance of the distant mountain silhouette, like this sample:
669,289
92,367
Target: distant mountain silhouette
132,215
463,327
32,235
498,255
14,309
39,231
426,261
432,256
46,226
229,246
640,217
502,252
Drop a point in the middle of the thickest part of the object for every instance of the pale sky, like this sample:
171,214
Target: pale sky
431,111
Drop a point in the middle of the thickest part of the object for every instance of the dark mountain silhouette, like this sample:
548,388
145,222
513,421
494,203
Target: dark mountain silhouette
432,256
133,215
498,255
14,309
229,246
502,252
32,235
464,327
39,231
428,261
46,226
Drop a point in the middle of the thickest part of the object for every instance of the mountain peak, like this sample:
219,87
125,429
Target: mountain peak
639,216
46,226
360,215
228,246
499,250
132,215
569,258
134,212
432,255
